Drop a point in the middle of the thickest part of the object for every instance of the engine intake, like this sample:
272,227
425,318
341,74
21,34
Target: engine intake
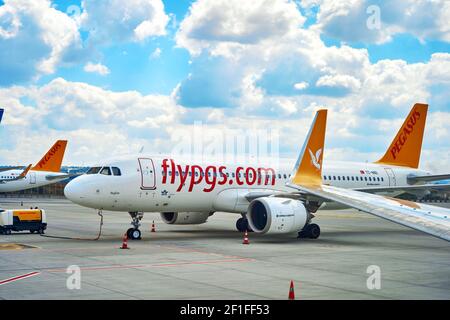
185,217
277,215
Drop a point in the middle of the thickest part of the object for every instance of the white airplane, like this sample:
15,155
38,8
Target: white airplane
188,193
47,171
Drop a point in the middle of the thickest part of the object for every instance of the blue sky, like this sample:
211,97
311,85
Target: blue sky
138,71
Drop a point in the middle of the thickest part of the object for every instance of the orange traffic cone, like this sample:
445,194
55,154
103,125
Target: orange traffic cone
153,226
291,291
246,238
124,242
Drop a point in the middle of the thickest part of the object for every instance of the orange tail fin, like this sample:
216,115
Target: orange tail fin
53,158
308,169
405,149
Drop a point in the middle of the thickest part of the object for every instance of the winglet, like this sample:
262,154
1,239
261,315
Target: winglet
53,158
308,169
1,114
25,172
405,149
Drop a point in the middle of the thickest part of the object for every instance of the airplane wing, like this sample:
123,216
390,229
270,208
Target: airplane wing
428,178
430,219
19,177
421,188
10,168
51,177
307,179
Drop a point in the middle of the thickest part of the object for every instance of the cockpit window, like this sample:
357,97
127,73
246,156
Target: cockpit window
116,171
93,170
106,171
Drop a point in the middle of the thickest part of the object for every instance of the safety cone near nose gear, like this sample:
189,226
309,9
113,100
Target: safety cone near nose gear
246,238
153,226
291,291
124,242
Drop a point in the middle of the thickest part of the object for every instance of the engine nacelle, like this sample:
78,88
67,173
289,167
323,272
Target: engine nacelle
276,215
185,217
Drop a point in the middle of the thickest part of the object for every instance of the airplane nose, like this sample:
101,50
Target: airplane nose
72,191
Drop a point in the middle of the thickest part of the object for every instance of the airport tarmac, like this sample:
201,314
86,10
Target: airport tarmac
209,261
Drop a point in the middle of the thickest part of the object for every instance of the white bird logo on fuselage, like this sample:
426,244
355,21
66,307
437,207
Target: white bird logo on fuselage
315,158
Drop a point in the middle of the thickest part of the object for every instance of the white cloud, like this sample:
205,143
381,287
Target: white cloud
156,53
341,80
301,85
224,24
96,68
123,21
347,20
34,39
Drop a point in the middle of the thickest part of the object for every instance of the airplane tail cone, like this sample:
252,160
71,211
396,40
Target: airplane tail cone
124,242
291,291
153,226
246,241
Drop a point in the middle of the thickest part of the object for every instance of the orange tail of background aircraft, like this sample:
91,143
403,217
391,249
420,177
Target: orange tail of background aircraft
308,169
53,158
405,149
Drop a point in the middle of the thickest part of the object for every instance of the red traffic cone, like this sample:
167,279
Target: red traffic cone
246,238
153,226
124,242
291,291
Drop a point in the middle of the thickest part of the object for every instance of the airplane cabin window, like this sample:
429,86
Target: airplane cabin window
106,171
284,176
93,170
116,171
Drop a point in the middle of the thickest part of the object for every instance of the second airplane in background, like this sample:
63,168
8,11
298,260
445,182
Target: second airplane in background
47,171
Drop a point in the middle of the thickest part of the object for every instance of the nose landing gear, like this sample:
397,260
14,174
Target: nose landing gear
134,233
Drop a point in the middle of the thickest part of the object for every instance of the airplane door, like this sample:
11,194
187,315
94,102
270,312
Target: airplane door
148,178
391,176
32,176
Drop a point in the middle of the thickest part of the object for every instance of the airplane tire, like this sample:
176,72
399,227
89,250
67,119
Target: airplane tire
314,231
242,225
311,231
135,234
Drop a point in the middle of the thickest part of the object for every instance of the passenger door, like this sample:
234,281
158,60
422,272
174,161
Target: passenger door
32,176
148,174
391,176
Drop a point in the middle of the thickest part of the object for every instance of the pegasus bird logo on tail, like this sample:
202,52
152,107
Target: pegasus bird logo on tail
315,159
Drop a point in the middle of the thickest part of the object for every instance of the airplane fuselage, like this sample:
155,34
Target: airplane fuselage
165,184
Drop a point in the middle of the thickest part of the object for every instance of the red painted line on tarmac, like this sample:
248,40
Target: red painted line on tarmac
21,277
162,265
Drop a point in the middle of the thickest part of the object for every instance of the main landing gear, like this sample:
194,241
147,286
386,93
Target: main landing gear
242,224
134,233
311,231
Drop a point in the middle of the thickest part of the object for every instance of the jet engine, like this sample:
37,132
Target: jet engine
277,215
185,217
